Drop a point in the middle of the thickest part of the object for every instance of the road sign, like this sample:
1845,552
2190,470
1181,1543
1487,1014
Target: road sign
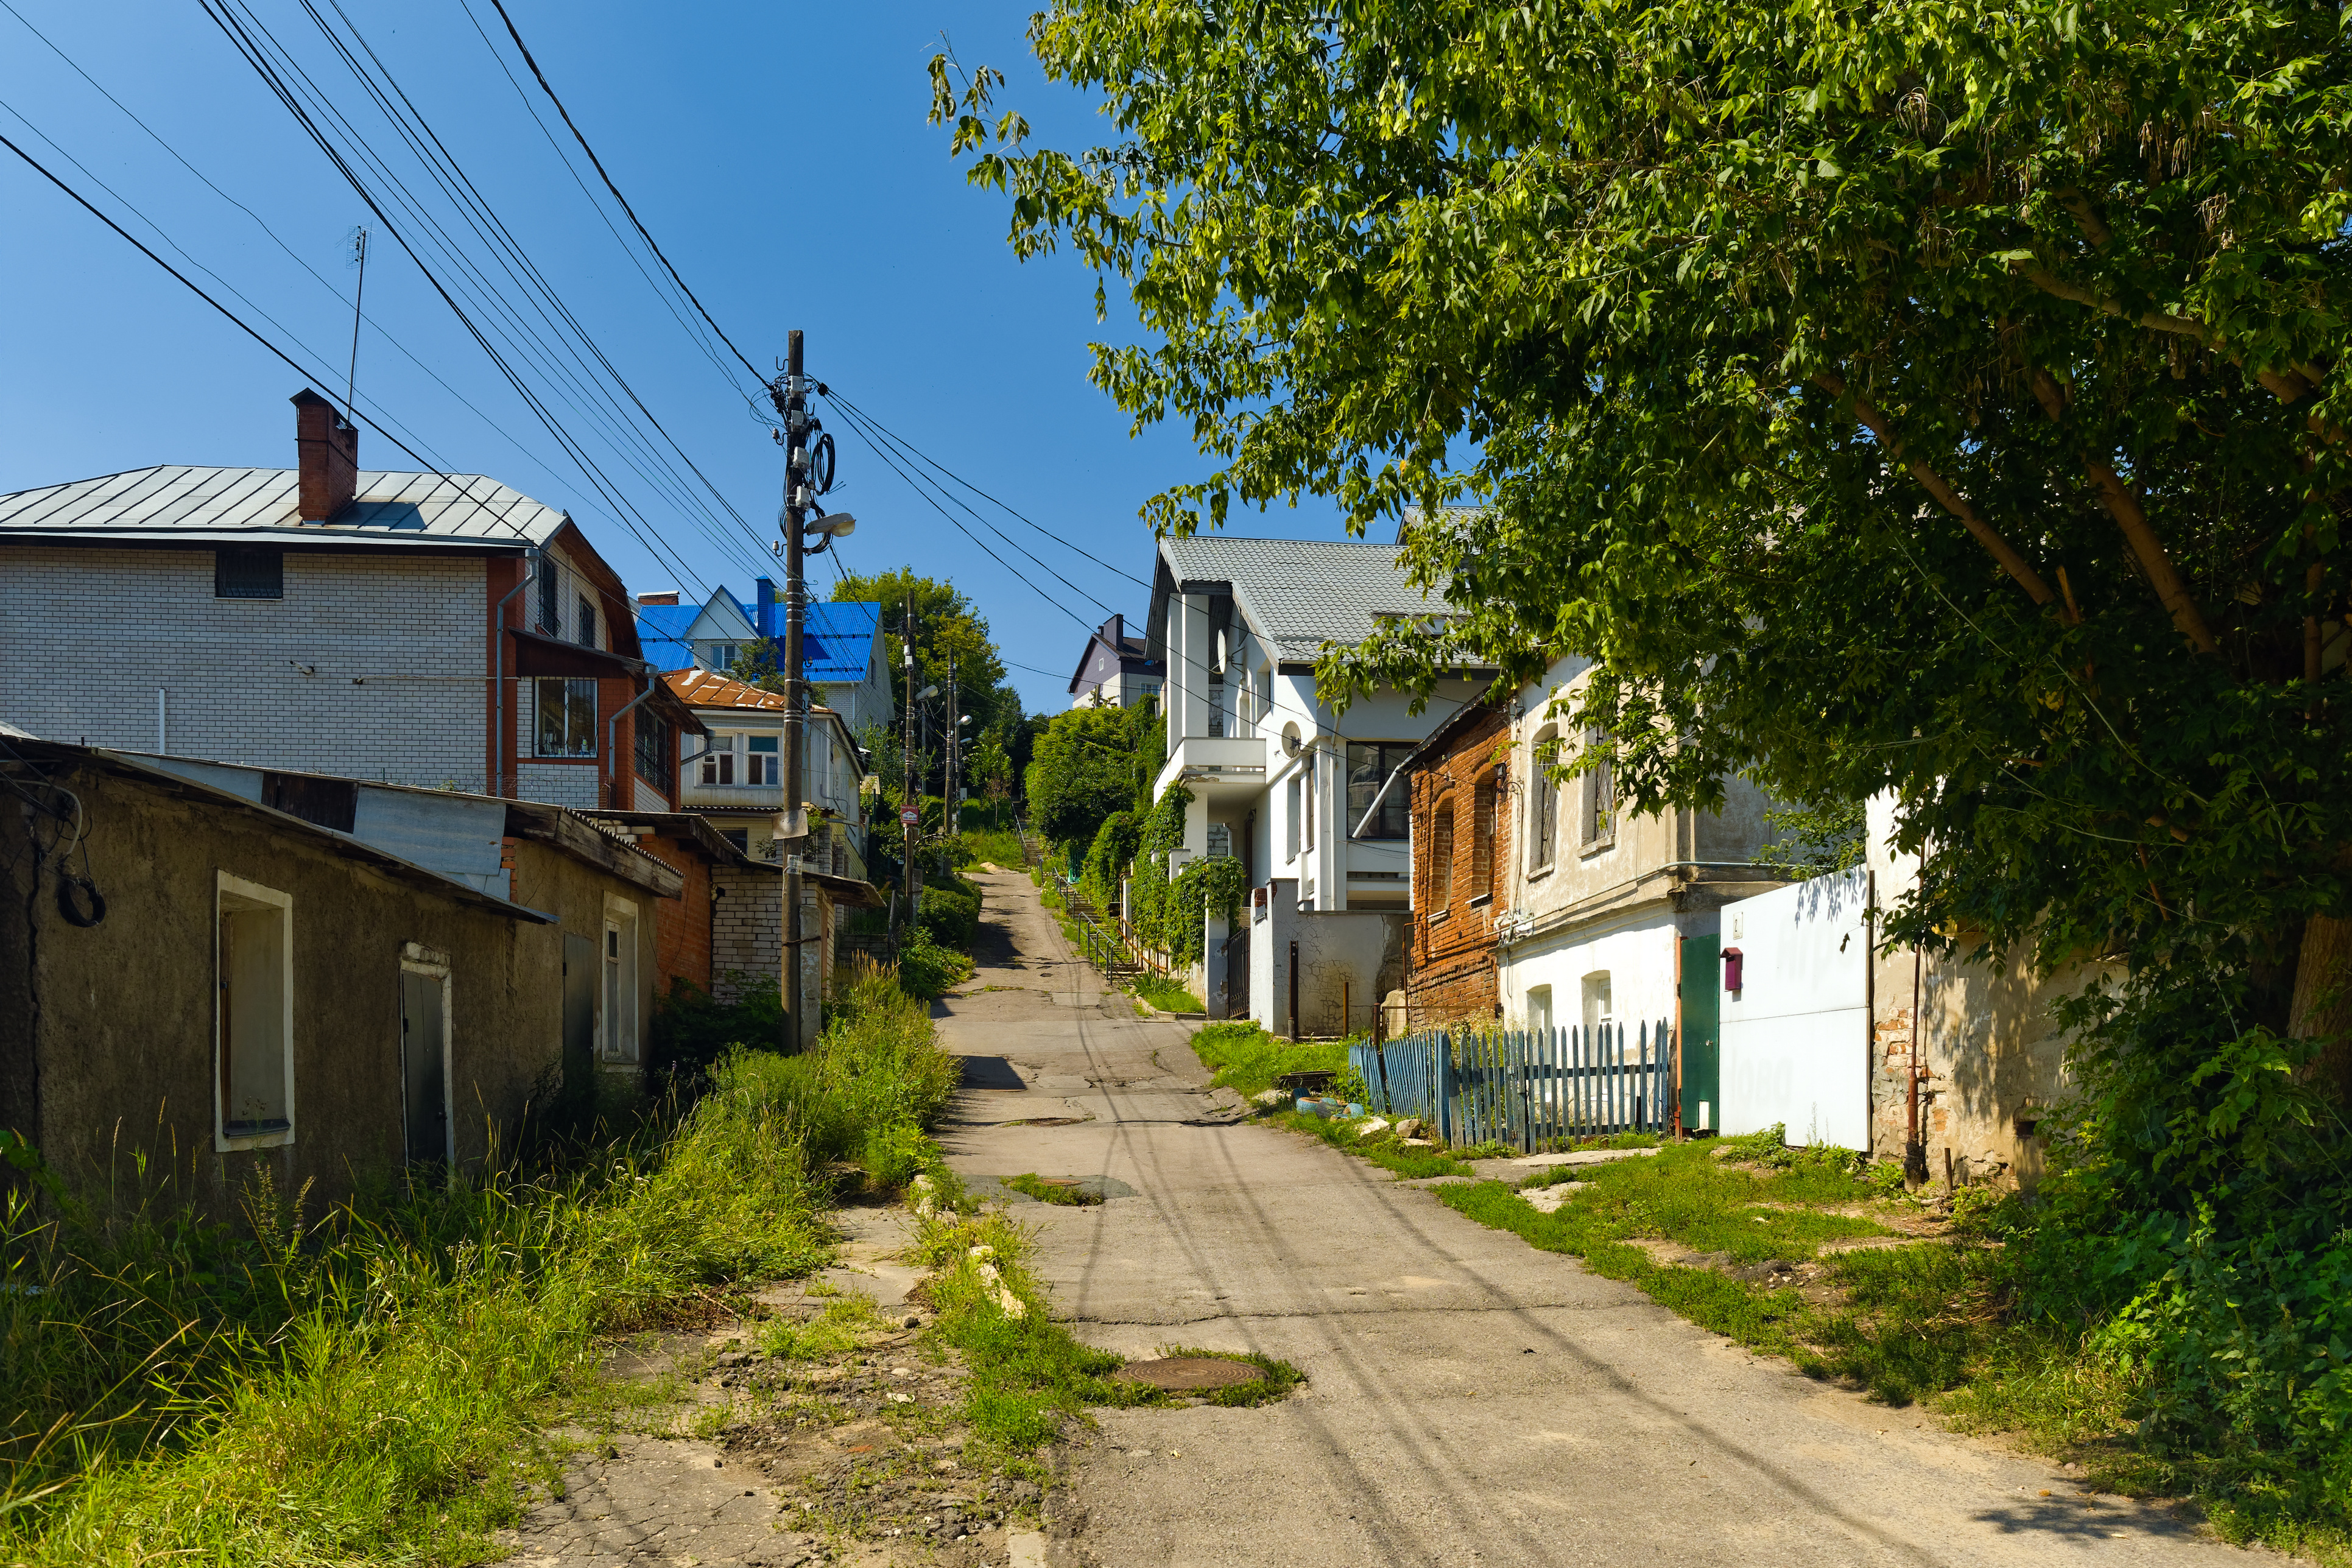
910,816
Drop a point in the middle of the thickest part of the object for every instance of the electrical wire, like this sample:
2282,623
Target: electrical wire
249,48
550,91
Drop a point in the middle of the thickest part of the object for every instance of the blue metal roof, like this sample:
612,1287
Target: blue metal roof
836,644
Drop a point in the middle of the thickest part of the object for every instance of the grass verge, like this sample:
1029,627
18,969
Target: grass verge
1046,1190
1167,995
1247,1060
371,1383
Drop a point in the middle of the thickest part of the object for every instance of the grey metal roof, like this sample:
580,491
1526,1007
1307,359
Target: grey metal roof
1299,594
195,505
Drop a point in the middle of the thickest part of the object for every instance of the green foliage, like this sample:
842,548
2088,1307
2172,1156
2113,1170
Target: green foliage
1084,768
1243,1058
364,1384
946,626
691,1029
1382,1149
927,969
949,911
1115,845
1167,995
1066,1193
1815,840
1201,886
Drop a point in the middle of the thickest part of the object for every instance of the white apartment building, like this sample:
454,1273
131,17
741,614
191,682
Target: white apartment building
1282,781
737,781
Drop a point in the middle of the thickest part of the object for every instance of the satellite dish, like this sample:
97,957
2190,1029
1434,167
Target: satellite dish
1290,739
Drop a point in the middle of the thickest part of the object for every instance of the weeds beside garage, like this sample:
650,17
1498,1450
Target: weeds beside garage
369,1382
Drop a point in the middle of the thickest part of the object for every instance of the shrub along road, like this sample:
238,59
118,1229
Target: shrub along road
1469,1399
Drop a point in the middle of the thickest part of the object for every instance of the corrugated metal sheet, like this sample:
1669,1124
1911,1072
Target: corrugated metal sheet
457,835
201,505
1301,593
243,782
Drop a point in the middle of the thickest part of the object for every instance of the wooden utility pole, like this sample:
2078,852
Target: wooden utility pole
909,800
799,494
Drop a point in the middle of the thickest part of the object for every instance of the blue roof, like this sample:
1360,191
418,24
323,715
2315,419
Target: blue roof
836,644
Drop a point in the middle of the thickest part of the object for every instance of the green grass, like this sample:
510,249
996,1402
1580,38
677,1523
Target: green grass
370,1383
1000,847
1046,1191
1167,995
1382,1149
1245,1059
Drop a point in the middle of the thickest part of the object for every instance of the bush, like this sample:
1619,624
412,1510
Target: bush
691,1029
926,970
949,911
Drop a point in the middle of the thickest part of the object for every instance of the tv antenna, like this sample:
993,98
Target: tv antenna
355,247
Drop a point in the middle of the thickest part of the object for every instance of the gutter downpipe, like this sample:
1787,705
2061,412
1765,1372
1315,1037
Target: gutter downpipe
613,735
531,563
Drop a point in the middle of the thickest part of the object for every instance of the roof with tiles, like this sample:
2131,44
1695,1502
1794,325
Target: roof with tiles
1299,594
184,505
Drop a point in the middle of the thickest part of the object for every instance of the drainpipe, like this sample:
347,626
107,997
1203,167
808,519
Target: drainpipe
530,564
612,736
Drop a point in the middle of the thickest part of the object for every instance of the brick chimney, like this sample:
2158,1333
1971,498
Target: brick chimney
668,596
329,450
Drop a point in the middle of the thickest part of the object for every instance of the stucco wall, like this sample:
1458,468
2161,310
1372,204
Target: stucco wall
122,1015
578,894
269,682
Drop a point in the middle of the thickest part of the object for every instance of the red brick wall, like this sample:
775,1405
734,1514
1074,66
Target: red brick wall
1450,958
681,924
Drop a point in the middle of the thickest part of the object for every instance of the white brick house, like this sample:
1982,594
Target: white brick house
322,619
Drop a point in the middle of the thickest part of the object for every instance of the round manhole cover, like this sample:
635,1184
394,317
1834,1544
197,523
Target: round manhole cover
1188,1373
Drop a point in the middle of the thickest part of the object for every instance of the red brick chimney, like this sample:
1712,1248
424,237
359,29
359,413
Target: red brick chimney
330,457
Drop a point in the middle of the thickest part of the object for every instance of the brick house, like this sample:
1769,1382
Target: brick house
435,629
1456,787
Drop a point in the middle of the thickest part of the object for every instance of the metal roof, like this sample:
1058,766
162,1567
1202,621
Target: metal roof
1298,594
836,640
207,505
707,688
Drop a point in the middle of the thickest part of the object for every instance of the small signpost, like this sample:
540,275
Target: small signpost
910,816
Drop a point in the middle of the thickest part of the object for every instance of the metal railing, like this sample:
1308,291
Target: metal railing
1532,1089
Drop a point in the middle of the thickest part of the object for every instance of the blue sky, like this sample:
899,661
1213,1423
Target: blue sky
780,155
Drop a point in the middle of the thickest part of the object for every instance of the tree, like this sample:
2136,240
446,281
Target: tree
1932,397
946,627
1084,768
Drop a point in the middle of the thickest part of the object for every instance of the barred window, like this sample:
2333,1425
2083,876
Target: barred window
653,750
242,573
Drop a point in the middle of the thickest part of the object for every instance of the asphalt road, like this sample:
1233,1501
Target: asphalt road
1471,1401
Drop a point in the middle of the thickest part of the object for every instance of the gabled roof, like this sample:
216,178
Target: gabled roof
257,506
836,640
1132,653
1298,594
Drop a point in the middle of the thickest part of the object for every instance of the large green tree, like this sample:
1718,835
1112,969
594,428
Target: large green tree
1927,395
947,630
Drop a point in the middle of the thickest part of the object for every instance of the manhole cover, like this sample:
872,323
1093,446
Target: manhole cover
1188,1373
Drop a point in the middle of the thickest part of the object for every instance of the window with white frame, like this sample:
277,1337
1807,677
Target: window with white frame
1290,819
1599,794
253,1036
760,760
722,656
718,762
566,717
618,1022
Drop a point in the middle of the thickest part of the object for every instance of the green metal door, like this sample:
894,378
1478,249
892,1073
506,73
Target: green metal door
1702,995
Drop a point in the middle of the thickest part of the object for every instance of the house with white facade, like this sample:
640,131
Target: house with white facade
1282,780
438,630
841,646
1117,670
1608,917
736,781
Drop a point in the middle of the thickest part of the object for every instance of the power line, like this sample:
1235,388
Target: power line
544,86
914,453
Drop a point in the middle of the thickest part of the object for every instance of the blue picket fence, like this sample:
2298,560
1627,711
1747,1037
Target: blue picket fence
1529,1088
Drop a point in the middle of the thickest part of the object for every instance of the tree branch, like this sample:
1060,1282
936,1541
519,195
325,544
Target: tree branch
2287,386
1934,484
2132,518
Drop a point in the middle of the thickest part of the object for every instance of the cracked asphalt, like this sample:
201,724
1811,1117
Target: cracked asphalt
1471,1401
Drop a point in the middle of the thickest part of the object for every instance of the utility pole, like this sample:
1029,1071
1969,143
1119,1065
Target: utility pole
799,494
910,800
953,814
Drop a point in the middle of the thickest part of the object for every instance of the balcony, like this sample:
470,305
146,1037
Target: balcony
695,795
1215,767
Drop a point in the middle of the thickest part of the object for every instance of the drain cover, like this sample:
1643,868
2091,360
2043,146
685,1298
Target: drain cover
1188,1373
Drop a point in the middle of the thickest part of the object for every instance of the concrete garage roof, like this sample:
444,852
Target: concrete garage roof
258,507
1298,594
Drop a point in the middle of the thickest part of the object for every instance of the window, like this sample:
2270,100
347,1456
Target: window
619,1022
761,763
1217,704
1599,1011
567,718
740,837
1543,803
549,619
584,632
718,762
1538,1007
1599,794
652,749
249,574
1306,797
1482,838
722,656
1369,763
254,1026
1441,859
1290,820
